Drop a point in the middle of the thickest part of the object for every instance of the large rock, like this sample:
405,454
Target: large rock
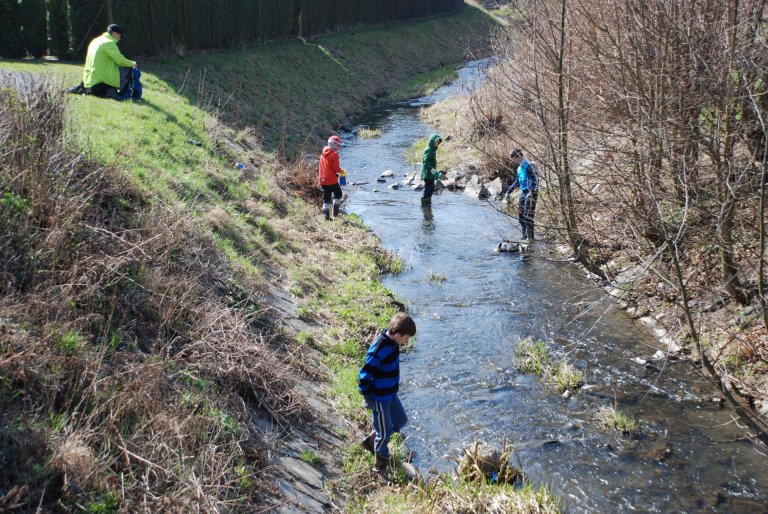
456,174
411,178
495,188
452,185
475,188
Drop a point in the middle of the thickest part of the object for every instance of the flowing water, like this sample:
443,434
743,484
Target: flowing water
460,383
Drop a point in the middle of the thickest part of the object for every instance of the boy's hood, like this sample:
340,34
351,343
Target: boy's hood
433,139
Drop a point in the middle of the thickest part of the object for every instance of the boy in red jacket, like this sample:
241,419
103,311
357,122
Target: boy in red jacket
328,176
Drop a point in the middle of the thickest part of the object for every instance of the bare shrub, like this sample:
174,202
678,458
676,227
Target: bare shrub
300,176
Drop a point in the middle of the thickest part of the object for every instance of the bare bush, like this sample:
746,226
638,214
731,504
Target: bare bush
647,120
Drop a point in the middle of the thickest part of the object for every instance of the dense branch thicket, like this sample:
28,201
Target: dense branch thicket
155,26
648,120
131,358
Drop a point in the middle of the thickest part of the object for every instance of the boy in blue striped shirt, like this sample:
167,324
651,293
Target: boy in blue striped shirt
379,381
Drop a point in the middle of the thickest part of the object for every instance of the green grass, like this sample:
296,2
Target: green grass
424,84
612,418
564,377
369,133
287,103
311,458
532,356
304,338
437,278
444,494
414,153
70,341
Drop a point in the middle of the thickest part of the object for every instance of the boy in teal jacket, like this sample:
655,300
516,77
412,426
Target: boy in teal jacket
429,171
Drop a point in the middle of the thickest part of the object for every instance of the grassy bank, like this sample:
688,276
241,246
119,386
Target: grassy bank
301,89
140,350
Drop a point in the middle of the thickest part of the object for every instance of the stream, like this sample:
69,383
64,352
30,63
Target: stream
460,384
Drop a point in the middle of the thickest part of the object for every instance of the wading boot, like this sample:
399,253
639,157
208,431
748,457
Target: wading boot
336,206
327,211
426,202
367,443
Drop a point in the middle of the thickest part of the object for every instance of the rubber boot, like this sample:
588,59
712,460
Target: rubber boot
381,463
367,443
336,206
327,211
426,202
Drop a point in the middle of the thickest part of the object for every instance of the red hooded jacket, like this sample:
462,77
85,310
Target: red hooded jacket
329,167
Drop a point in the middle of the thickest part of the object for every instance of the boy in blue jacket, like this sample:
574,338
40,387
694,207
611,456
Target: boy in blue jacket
378,382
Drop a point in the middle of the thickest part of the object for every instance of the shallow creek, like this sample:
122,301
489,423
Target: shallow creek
460,383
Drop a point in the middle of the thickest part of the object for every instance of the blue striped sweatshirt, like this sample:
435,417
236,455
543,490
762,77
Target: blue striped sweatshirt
379,378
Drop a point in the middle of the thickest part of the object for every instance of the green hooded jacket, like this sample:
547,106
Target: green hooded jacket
429,160
103,61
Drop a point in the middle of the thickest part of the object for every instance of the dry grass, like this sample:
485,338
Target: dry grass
300,177
148,405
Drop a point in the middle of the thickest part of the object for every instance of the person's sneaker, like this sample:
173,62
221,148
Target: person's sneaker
367,443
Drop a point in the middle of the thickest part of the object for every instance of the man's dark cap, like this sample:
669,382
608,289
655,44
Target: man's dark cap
115,28
515,153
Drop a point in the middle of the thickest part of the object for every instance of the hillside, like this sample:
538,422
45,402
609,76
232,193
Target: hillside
167,323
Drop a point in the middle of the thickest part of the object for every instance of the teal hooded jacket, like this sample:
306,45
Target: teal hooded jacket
429,159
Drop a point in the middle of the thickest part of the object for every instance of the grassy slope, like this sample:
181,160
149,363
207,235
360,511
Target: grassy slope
303,89
179,158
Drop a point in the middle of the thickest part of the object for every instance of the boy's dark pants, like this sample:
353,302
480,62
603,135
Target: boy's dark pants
526,210
331,191
429,188
388,418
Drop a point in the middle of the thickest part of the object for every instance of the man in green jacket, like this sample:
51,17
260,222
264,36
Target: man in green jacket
429,172
101,75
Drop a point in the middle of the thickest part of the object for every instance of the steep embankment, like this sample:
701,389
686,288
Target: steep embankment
304,88
167,320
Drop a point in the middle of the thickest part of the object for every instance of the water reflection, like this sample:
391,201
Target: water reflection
427,225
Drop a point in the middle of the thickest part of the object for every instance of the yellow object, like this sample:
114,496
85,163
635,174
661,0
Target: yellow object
343,172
